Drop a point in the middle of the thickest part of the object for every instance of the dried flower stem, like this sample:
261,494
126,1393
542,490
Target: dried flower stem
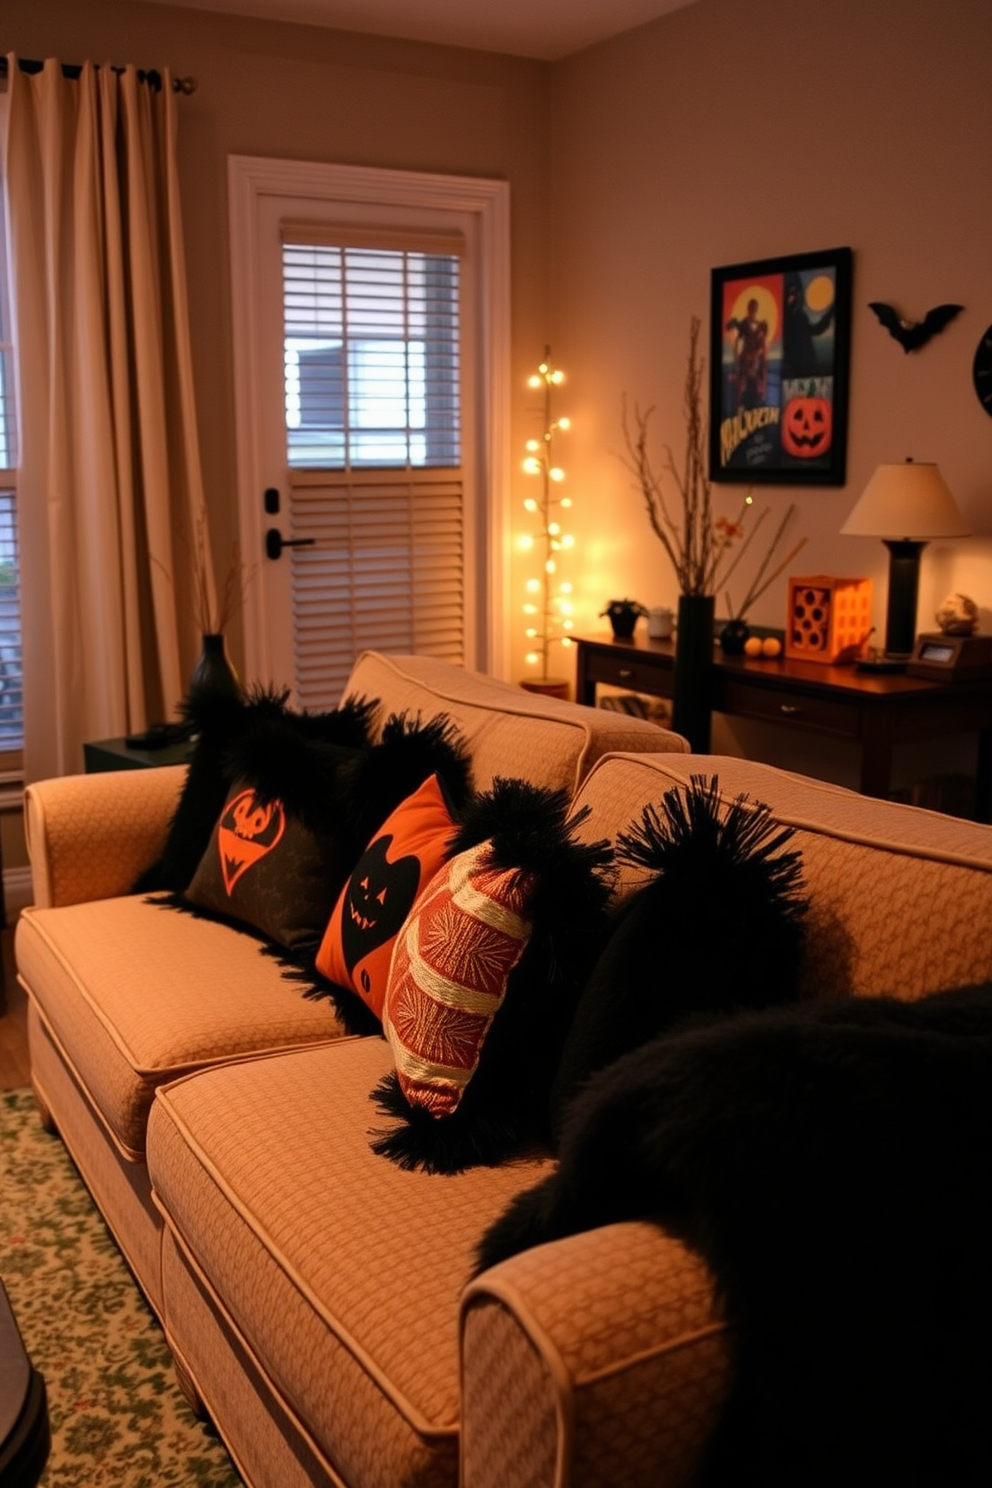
699,550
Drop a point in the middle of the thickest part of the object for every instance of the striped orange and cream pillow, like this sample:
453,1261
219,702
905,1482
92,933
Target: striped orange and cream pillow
449,974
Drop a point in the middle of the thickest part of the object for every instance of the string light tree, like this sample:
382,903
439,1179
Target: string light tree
548,605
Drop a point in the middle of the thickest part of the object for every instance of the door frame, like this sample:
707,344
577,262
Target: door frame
250,178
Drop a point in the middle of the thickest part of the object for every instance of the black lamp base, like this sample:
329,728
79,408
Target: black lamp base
904,585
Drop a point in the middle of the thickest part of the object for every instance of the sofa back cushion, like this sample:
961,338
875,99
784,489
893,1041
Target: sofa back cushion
509,732
900,900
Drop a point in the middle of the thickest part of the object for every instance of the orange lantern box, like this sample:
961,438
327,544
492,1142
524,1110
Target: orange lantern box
828,619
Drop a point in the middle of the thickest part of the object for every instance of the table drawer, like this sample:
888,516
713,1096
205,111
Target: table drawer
620,671
826,715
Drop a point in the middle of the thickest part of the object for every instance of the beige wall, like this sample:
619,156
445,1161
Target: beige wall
706,138
635,166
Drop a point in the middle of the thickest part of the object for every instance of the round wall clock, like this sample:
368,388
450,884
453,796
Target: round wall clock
982,371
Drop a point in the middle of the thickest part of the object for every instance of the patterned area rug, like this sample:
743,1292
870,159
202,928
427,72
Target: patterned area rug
117,1415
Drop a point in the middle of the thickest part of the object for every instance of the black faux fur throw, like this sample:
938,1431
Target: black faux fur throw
832,1163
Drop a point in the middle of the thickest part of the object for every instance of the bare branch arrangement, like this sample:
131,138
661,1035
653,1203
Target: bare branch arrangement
699,547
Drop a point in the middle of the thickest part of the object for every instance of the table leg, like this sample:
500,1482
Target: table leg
983,777
876,754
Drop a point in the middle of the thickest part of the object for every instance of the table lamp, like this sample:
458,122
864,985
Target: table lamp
905,505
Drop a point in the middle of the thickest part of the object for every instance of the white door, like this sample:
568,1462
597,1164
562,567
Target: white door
372,508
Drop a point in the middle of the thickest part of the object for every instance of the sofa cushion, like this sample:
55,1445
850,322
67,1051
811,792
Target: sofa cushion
509,731
878,876
380,892
121,985
342,1272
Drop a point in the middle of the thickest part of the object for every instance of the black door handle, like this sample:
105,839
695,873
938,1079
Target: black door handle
275,542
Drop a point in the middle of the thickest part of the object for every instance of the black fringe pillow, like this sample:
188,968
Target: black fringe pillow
260,740
718,928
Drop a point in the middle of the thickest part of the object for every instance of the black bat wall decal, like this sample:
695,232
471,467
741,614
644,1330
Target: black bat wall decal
912,334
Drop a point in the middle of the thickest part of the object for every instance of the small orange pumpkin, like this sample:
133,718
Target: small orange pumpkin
807,427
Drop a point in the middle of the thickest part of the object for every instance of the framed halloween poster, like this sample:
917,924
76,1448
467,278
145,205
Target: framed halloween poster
780,336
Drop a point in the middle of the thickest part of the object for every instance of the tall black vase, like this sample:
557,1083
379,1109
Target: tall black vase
214,675
694,670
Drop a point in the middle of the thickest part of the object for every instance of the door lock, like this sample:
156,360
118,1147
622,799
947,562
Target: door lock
275,542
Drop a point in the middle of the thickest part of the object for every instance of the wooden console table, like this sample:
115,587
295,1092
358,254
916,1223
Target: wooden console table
874,711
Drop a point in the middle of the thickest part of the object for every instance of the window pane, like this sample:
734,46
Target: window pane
11,715
371,357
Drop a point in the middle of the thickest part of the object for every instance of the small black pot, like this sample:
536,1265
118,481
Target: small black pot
732,637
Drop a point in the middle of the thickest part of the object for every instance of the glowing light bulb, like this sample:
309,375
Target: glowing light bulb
566,501
564,423
554,528
550,566
533,586
530,609
532,658
566,586
532,465
530,504
556,473
526,542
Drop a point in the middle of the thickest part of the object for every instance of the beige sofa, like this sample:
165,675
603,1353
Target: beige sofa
314,1295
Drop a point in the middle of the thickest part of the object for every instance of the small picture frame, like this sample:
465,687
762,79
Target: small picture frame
780,338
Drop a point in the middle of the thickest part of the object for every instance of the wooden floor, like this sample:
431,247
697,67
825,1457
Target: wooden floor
14,1067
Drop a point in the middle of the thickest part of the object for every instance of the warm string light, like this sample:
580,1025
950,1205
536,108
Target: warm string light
548,605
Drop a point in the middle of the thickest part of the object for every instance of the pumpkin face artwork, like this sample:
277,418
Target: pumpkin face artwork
379,896
807,427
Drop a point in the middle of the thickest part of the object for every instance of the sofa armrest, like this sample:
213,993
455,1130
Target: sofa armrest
593,1361
92,836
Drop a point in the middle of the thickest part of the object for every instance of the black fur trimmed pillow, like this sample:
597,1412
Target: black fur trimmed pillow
474,1069
718,927
290,830
250,738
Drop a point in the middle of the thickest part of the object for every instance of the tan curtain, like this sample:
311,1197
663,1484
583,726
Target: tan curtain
110,491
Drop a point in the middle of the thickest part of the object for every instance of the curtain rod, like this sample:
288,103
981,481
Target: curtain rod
184,85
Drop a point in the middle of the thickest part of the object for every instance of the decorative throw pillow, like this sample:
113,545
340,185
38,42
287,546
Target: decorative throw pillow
381,890
718,928
266,869
262,727
449,975
406,753
324,794
481,994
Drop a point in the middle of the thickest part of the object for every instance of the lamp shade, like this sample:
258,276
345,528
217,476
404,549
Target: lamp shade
907,500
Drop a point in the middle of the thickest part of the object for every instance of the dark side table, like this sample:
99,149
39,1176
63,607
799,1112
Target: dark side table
837,701
117,754
25,1436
